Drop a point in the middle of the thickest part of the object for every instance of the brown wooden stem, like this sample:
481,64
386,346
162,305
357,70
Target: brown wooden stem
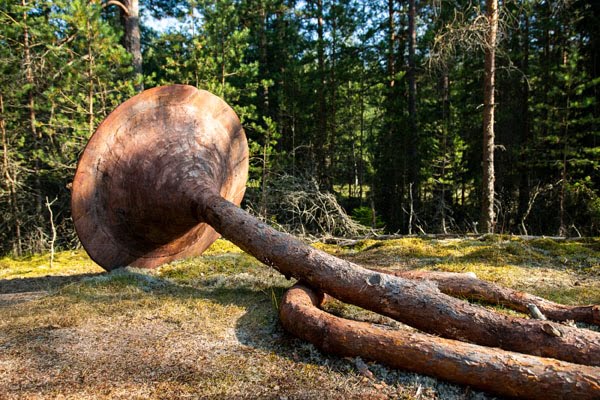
416,303
495,370
469,287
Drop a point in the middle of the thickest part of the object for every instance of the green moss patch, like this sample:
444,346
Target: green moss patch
207,327
65,263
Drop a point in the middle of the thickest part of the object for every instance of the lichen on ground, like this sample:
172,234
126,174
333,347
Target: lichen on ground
207,327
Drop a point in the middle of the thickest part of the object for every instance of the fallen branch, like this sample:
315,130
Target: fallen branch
468,286
490,369
144,194
418,303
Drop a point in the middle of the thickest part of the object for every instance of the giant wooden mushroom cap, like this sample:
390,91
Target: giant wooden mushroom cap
139,182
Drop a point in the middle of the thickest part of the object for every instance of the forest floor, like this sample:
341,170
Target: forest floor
207,327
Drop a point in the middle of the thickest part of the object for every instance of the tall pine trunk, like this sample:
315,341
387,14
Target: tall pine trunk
524,189
412,139
487,201
130,18
322,132
132,40
412,82
445,105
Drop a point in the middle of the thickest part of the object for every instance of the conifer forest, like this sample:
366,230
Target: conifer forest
411,117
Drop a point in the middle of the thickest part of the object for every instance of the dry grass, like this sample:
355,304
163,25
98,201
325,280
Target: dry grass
208,328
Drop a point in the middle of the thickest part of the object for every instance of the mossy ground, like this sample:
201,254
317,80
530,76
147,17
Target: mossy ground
207,327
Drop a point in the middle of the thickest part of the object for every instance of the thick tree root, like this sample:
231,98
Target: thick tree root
491,369
468,286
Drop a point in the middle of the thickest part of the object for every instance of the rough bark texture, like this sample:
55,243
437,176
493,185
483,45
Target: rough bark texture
156,180
31,106
467,286
10,182
502,372
132,39
416,303
487,201
411,74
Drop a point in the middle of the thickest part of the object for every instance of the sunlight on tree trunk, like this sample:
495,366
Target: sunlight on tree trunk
487,201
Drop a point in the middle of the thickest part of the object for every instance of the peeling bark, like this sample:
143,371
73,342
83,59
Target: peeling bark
502,372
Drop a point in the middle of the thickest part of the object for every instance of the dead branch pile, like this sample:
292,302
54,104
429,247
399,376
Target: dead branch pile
298,206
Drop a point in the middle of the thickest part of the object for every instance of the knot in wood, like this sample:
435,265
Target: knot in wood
374,279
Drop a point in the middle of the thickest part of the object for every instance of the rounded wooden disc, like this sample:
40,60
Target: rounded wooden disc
140,179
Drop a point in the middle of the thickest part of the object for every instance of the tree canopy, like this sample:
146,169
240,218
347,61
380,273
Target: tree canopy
378,102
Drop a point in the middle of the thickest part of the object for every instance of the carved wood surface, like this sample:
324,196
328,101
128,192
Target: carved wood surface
131,201
166,171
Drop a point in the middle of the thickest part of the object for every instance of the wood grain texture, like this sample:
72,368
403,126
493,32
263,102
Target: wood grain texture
137,182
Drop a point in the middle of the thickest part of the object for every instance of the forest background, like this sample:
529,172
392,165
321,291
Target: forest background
373,105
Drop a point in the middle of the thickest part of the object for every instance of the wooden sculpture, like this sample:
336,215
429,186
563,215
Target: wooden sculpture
165,172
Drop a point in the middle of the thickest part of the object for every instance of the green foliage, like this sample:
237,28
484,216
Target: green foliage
76,76
322,90
364,216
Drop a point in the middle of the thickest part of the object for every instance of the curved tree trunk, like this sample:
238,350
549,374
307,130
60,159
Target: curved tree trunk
502,372
416,303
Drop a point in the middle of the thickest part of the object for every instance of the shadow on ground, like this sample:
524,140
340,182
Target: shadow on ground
18,290
153,355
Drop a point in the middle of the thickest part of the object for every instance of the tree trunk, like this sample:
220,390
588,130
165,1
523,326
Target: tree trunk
391,64
90,60
445,106
394,184
487,201
331,117
502,372
361,137
132,40
412,83
524,178
263,61
467,286
413,166
419,304
321,136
